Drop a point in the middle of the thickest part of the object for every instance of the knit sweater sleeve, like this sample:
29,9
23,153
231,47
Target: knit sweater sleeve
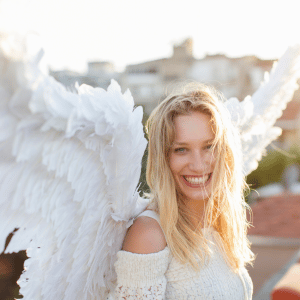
141,276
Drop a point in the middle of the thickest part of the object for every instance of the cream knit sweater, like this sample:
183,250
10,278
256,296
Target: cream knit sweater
160,276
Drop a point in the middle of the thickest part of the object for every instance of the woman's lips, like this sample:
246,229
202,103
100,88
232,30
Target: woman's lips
195,184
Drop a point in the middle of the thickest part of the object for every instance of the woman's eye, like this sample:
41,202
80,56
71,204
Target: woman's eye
208,147
180,150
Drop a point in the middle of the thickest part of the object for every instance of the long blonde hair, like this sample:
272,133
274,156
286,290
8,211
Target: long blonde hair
226,206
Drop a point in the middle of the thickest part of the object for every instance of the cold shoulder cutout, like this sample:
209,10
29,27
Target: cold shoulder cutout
145,236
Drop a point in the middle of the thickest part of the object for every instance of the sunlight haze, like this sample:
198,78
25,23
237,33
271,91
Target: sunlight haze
126,32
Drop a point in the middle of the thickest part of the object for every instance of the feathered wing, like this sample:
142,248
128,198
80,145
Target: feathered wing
69,169
255,116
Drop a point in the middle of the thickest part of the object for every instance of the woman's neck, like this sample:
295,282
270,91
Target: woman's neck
196,211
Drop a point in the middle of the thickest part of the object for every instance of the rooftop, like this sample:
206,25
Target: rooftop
276,216
291,112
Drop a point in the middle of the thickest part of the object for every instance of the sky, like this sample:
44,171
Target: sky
132,31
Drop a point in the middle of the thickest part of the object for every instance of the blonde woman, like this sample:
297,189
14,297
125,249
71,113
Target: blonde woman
191,242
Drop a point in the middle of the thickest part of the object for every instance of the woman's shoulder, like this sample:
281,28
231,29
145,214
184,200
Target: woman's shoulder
145,236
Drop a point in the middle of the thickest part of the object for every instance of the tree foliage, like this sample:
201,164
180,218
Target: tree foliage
272,166
143,186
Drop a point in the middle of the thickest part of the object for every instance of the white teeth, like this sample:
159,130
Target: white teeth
197,180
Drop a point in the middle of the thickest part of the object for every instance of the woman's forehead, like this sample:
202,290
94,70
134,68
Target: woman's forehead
194,126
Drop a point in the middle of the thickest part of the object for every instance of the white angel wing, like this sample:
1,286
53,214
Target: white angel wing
255,116
69,169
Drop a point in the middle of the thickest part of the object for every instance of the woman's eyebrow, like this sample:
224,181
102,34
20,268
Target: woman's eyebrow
185,143
180,143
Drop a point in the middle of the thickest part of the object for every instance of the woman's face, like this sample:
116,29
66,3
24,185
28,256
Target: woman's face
191,158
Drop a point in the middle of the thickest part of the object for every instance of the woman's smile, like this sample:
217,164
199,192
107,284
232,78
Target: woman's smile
197,181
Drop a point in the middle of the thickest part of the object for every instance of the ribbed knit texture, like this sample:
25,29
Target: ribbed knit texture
142,269
161,276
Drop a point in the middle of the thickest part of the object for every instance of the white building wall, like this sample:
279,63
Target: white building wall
220,72
145,88
213,70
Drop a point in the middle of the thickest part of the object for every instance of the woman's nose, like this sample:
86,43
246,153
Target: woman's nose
198,163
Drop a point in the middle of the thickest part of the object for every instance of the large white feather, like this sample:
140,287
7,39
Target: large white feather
68,178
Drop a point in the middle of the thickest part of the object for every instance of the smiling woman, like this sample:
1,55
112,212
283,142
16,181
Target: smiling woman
195,228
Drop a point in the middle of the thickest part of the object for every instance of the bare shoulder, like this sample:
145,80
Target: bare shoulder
144,236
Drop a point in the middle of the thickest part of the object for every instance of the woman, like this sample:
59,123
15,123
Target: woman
191,243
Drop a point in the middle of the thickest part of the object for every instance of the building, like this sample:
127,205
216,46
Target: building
151,81
99,74
100,68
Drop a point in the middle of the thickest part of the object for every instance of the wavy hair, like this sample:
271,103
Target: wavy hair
225,210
